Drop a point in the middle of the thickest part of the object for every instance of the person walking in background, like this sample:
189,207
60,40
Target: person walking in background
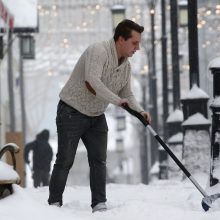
101,76
42,157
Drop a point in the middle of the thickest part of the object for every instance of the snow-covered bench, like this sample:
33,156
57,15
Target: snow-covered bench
8,174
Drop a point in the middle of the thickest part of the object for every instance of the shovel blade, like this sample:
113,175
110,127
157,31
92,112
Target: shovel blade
208,200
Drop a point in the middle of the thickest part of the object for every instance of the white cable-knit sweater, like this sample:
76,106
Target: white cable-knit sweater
98,65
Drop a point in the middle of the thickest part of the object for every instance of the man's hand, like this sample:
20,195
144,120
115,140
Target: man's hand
146,116
123,102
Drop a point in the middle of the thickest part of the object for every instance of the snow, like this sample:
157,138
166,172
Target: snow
216,102
215,63
196,93
182,3
176,138
196,119
175,116
24,12
155,168
196,152
13,145
118,7
167,200
7,172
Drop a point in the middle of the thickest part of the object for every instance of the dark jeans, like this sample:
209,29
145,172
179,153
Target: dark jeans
71,126
41,176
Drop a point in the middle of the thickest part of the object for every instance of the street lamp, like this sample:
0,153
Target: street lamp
121,125
27,47
120,145
183,13
118,14
1,47
153,79
145,151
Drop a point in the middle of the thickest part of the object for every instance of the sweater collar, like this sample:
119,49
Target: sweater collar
114,54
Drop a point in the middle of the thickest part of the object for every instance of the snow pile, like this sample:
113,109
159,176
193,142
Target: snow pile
196,152
176,138
7,172
196,119
176,116
167,200
196,93
25,13
215,63
216,102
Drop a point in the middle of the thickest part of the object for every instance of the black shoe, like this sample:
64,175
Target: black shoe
58,204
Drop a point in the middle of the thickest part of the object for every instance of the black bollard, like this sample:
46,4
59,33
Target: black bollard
215,133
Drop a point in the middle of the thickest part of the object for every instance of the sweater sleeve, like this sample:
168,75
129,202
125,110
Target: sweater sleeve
94,64
128,94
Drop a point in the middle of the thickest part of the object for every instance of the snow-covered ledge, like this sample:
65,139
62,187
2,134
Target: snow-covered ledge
25,13
176,116
176,138
195,93
195,120
215,63
216,102
174,122
7,174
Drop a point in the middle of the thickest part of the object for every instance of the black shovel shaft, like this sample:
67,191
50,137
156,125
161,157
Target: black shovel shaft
165,146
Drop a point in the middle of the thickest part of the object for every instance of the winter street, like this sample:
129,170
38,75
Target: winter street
167,200
109,99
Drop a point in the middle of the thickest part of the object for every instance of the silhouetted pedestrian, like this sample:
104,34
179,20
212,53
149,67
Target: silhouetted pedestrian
42,157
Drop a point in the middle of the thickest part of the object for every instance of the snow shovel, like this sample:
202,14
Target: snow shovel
207,200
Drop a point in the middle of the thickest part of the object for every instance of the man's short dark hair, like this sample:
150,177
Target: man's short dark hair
125,27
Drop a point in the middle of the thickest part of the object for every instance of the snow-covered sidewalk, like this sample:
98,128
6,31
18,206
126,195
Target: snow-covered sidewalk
165,200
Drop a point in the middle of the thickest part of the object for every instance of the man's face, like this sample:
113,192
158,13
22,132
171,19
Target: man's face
130,45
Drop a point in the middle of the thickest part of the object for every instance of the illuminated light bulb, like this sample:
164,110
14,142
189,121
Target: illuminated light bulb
92,12
133,19
208,12
50,73
138,11
97,7
54,7
152,11
146,68
199,25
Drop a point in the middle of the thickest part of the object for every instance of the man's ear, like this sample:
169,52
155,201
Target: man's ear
121,39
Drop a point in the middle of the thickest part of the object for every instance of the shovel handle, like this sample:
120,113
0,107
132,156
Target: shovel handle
136,114
165,146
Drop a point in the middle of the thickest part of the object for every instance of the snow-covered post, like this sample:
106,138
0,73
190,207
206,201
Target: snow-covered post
196,134
214,66
175,141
